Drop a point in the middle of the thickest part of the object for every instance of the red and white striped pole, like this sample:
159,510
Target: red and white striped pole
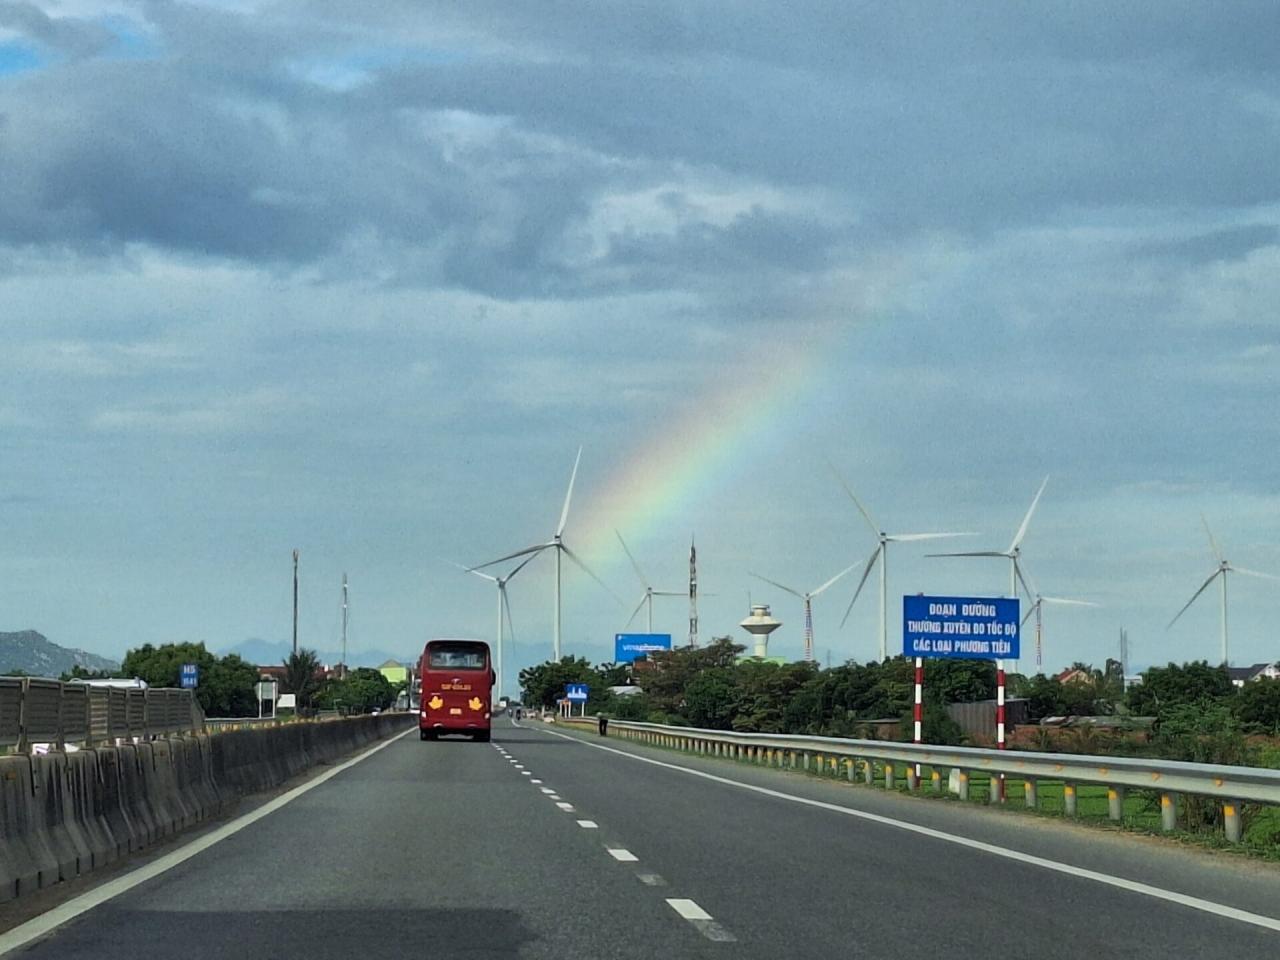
917,711
1000,745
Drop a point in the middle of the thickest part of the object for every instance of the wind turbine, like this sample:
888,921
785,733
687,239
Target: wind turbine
1224,567
1040,601
649,592
557,544
1013,552
504,607
808,604
881,553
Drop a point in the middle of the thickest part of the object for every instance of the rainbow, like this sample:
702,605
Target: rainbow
673,468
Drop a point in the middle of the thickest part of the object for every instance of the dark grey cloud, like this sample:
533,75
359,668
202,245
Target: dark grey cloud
65,35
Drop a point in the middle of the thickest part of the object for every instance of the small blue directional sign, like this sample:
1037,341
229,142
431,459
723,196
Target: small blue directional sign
973,628
189,676
575,692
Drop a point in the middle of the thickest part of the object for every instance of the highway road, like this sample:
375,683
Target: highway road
547,844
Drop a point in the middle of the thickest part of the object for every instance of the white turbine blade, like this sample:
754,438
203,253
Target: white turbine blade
1017,572
587,570
676,593
1253,573
465,569
635,566
635,613
1030,610
875,528
794,593
904,537
520,566
564,514
1062,601
536,548
1213,544
1028,583
865,573
833,579
973,553
506,604
1204,586
1026,521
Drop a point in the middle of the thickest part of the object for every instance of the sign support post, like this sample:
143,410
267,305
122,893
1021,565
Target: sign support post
998,785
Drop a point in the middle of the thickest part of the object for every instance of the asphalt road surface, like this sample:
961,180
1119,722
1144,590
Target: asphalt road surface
542,844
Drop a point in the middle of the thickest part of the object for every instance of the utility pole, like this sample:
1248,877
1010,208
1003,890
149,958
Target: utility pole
693,595
344,626
295,603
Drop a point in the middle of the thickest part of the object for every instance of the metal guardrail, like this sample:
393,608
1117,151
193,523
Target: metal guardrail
1229,785
36,710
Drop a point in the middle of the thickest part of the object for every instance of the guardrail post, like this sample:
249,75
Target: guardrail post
962,790
805,755
1115,803
853,768
889,781
1231,820
868,772
1031,786
1168,811
913,781
936,776
1069,799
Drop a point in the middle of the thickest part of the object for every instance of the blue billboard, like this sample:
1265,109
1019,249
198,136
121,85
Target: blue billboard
189,676
576,692
973,628
628,646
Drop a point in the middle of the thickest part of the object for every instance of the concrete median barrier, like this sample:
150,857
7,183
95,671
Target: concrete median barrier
65,814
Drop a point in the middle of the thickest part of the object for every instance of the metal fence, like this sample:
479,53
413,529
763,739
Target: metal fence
907,763
34,710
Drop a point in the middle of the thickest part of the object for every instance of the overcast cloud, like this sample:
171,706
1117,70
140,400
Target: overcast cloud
360,281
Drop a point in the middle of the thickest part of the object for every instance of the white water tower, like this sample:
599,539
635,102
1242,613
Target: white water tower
760,624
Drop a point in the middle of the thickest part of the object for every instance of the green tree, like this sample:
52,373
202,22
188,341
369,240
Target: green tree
1258,705
226,686
711,698
1178,685
302,676
80,672
544,683
362,690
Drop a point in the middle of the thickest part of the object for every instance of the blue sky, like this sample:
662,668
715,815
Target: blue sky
360,282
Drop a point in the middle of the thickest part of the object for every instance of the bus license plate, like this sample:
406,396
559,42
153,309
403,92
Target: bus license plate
455,711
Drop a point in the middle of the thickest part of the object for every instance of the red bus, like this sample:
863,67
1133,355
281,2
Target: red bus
457,689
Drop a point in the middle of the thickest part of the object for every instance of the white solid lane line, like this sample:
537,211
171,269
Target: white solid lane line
624,856
588,825
47,922
1133,886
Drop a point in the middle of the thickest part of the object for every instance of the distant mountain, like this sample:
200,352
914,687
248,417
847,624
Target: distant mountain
264,653
31,653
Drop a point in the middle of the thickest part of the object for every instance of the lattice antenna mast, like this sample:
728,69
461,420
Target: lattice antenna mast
693,593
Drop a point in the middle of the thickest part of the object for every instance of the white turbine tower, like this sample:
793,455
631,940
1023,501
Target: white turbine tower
649,592
1039,601
504,609
1013,552
557,544
1224,567
881,553
808,604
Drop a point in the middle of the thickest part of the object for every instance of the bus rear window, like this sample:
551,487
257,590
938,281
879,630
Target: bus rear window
456,656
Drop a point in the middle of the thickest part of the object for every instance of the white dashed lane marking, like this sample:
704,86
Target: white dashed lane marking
700,919
588,824
546,790
624,856
651,880
535,781
565,806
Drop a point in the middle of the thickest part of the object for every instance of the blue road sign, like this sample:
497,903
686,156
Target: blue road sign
576,692
628,646
974,628
189,676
